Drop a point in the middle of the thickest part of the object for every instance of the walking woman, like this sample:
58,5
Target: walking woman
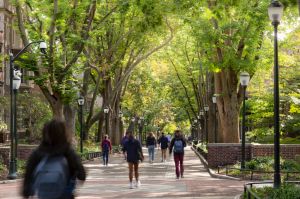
133,149
151,145
106,149
177,145
55,151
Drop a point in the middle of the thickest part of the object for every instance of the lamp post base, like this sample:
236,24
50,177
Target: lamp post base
12,171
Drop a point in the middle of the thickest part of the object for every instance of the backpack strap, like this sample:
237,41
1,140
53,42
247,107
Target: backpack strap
41,164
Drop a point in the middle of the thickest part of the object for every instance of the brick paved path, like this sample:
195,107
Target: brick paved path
158,181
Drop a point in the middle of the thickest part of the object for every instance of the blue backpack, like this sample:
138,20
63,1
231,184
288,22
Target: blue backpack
178,146
51,177
105,146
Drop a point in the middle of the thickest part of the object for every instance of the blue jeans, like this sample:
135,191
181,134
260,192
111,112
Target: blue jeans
151,152
105,157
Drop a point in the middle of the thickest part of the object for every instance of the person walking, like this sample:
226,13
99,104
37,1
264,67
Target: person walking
55,151
151,145
134,153
177,145
106,149
123,141
163,141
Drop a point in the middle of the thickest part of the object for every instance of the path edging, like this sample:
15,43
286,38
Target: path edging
211,172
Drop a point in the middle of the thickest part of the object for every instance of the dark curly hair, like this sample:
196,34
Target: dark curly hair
55,133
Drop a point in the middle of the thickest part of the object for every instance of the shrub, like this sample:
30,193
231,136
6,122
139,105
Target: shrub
290,165
287,191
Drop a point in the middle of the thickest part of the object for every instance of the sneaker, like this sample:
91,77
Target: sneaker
177,177
138,184
182,176
130,185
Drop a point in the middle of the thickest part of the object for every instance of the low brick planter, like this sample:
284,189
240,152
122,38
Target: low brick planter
220,154
24,152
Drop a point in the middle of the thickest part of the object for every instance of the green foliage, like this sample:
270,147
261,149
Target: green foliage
286,191
289,140
34,112
260,163
202,147
290,165
261,135
21,164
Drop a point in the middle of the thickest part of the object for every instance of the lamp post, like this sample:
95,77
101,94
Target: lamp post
244,79
201,113
196,127
145,132
206,109
16,86
214,100
13,129
81,103
106,111
275,12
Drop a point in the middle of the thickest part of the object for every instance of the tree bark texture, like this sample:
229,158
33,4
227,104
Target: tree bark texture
228,104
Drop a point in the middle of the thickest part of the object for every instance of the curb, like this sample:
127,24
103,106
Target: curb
211,172
11,181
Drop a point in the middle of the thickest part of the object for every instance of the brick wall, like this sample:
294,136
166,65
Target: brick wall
220,154
23,152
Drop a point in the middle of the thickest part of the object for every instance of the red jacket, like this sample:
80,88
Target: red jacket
104,142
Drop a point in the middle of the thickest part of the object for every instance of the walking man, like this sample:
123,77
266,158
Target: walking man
163,141
133,149
177,145
106,149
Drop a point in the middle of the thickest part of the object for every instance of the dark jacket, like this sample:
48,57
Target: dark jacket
150,141
173,140
163,141
75,166
134,150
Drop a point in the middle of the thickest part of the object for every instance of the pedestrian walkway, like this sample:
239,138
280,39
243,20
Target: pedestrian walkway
158,181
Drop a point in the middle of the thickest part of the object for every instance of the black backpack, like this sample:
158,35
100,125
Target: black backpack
51,177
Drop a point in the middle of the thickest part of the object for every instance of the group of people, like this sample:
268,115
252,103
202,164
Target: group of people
54,167
133,152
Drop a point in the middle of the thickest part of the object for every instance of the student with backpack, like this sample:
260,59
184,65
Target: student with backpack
163,141
106,149
53,168
133,149
177,145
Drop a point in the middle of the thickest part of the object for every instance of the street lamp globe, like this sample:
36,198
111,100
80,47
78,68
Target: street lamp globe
106,110
43,47
17,80
214,99
244,78
206,108
275,11
80,101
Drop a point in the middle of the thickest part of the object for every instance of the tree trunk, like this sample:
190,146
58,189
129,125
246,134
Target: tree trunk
99,135
69,114
226,85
